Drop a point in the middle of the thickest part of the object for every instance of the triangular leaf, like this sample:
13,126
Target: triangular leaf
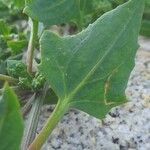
90,70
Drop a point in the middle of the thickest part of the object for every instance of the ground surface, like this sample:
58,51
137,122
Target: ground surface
125,127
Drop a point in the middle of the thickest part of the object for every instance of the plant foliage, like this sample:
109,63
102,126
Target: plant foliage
11,123
88,71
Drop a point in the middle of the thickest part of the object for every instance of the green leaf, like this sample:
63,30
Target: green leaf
50,97
11,123
87,6
147,8
16,69
17,46
4,28
90,70
52,12
4,53
2,67
2,70
19,4
3,45
4,12
145,29
91,10
56,12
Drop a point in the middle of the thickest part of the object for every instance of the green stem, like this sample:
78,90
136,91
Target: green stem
32,123
8,78
28,105
31,45
16,57
60,109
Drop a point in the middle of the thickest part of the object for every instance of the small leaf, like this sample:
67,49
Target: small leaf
11,123
17,68
90,70
17,46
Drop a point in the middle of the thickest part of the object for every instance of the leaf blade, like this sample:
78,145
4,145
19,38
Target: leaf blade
95,64
11,122
52,12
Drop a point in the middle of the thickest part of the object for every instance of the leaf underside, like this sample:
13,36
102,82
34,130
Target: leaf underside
11,123
90,70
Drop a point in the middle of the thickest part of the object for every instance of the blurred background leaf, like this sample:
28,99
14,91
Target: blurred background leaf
11,123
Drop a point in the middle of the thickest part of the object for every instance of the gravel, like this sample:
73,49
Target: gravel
126,127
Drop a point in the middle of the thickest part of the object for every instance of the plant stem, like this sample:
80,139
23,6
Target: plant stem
31,45
16,57
28,105
32,123
60,109
8,78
